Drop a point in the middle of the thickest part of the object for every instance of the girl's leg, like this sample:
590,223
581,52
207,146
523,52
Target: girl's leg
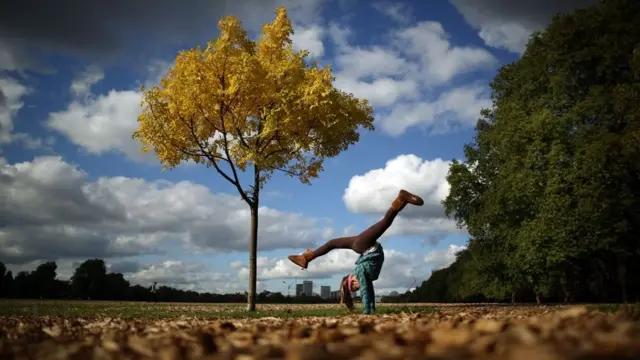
339,243
364,240
308,255
368,238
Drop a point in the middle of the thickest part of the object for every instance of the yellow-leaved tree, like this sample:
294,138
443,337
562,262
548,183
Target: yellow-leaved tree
250,106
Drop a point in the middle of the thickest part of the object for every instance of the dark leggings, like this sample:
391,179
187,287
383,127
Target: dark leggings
359,243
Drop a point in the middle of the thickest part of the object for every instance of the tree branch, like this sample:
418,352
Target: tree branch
243,194
289,172
212,158
208,153
206,118
238,132
183,150
204,152
275,136
242,140
283,150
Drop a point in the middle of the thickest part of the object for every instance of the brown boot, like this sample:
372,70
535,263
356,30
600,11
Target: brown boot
302,260
404,197
411,198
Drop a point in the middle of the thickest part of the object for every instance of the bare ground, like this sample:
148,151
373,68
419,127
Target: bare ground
455,332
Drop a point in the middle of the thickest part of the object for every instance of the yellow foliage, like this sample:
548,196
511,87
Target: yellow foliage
247,102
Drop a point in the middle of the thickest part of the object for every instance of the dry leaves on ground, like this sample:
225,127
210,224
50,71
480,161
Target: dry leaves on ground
457,332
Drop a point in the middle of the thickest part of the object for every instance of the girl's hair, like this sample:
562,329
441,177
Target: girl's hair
345,294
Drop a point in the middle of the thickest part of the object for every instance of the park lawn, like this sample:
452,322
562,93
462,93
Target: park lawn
142,310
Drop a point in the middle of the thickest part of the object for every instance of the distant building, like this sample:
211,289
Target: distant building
334,295
307,287
299,289
325,291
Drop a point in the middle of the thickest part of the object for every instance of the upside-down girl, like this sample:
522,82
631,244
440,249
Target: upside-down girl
371,253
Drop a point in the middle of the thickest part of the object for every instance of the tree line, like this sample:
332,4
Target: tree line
549,189
91,281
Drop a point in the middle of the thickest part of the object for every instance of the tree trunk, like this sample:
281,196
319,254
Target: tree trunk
513,297
622,279
565,287
537,298
253,255
253,243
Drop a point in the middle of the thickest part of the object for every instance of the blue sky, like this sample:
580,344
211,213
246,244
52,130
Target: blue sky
78,187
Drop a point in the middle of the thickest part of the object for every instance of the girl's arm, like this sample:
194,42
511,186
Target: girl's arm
367,294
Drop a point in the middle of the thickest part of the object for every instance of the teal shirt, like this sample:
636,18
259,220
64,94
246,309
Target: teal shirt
367,271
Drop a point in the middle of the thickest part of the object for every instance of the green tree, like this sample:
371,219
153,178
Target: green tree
23,285
551,177
44,279
89,279
116,285
8,284
3,286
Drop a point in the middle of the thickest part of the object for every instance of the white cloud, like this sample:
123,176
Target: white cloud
422,51
510,36
383,91
440,61
11,93
508,25
439,259
374,191
376,61
11,101
103,124
349,230
453,109
434,229
81,85
399,75
328,232
185,275
51,210
400,12
340,36
309,38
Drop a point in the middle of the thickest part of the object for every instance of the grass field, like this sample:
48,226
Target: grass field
142,310
129,330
